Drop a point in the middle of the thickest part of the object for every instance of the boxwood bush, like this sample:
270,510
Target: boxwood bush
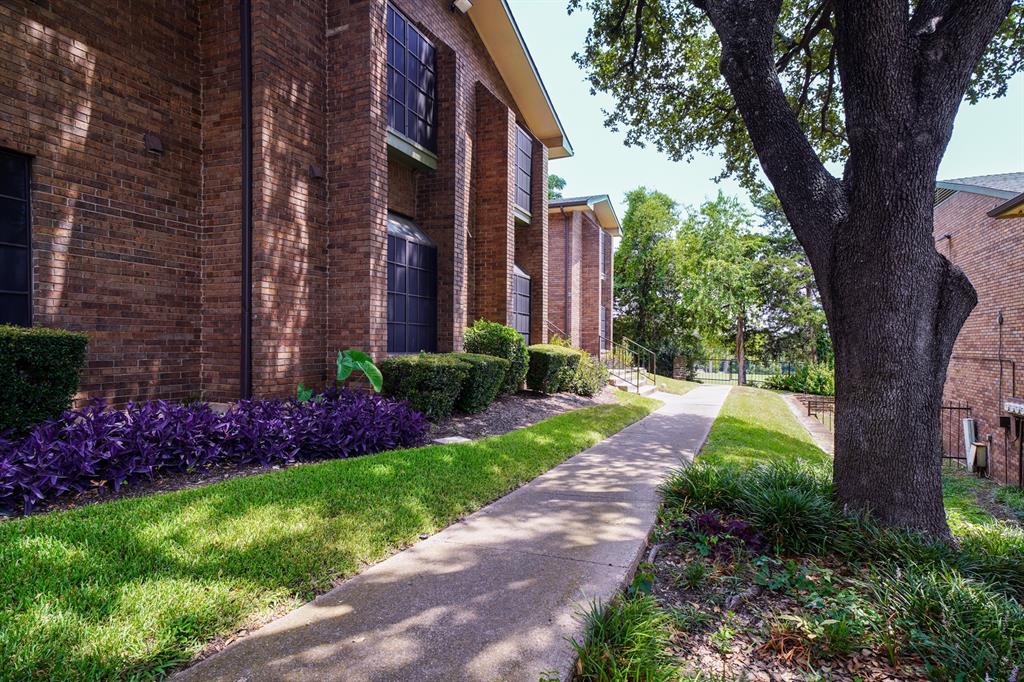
552,368
486,377
430,382
591,376
815,378
491,338
39,373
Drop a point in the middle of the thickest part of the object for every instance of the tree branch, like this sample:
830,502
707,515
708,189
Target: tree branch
814,201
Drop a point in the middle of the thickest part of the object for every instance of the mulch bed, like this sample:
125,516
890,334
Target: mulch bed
514,412
505,414
729,633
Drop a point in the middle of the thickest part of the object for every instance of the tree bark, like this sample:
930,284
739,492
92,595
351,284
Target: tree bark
893,303
741,359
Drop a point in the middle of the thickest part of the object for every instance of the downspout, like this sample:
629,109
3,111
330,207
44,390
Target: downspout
245,40
568,275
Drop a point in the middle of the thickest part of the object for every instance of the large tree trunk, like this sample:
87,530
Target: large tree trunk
894,317
894,304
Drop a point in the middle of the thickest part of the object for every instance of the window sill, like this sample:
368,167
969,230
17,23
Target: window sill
521,216
411,152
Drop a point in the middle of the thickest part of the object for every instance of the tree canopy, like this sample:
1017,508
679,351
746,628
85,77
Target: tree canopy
660,60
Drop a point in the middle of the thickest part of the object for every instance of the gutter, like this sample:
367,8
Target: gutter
245,46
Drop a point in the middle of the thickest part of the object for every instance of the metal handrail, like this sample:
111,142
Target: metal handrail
552,327
616,356
650,357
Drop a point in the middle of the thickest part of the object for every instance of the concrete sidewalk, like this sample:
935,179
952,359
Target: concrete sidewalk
493,597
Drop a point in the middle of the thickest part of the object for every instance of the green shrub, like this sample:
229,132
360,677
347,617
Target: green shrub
431,383
815,378
39,373
552,368
627,639
491,338
591,376
486,377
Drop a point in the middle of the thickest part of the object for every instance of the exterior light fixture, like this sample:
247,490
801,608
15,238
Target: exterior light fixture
462,5
153,143
316,172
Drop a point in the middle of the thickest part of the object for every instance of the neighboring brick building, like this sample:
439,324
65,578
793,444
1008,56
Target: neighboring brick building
580,269
398,165
979,227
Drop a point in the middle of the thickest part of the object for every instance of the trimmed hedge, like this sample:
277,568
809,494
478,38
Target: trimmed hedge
552,368
430,382
491,338
39,373
486,377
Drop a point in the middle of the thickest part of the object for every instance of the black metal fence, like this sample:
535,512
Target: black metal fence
726,371
822,408
951,423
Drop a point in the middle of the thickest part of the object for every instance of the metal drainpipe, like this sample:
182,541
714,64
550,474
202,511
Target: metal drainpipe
568,274
245,40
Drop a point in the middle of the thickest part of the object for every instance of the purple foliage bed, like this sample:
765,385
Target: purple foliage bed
95,446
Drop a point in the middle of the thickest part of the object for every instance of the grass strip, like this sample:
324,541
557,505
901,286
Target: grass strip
676,386
135,587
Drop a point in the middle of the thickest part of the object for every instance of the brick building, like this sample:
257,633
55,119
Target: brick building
979,226
580,269
222,193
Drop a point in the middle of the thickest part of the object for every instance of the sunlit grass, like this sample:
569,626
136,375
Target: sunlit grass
134,587
676,386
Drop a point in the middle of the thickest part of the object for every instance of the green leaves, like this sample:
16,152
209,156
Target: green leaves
351,360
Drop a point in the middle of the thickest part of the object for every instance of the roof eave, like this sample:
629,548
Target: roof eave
501,36
1014,208
976,189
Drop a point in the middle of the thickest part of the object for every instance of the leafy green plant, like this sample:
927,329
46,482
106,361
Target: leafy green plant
486,377
813,378
693,575
591,376
430,382
491,338
39,373
303,394
350,361
625,640
552,368
722,638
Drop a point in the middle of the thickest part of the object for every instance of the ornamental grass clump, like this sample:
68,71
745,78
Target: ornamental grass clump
99,447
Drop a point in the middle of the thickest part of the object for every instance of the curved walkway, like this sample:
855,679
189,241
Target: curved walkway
495,596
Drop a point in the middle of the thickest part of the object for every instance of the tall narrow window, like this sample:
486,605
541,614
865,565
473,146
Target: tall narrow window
15,240
524,159
412,288
412,104
521,302
601,257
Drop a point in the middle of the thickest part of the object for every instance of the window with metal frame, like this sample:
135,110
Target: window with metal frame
524,170
604,328
601,257
15,239
521,302
412,288
412,96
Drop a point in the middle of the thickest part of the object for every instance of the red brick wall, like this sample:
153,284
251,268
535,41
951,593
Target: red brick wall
144,251
290,241
590,286
115,249
991,253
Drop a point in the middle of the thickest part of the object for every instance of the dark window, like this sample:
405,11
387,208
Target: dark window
600,246
412,288
412,108
605,336
521,303
15,240
524,159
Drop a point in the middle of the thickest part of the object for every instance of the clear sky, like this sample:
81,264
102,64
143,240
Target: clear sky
988,138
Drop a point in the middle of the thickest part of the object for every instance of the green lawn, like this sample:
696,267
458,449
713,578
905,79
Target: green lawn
921,609
677,386
756,426
135,587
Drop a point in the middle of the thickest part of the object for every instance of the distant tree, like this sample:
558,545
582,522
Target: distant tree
875,85
556,184
791,319
716,254
646,291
